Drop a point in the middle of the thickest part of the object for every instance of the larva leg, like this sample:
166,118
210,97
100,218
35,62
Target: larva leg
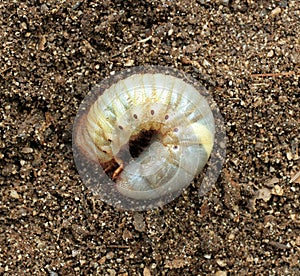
118,170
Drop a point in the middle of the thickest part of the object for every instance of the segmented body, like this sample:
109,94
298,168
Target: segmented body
182,127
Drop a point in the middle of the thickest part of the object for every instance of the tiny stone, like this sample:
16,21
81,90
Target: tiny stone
283,99
225,2
259,146
102,260
75,253
185,60
289,155
206,64
276,11
23,26
129,63
153,265
44,8
138,222
82,262
110,255
146,272
126,234
14,194
221,273
170,32
111,272
283,4
264,194
270,183
231,237
27,150
277,190
221,263
298,241
293,189
270,54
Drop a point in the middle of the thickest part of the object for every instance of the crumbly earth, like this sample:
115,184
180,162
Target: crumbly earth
245,52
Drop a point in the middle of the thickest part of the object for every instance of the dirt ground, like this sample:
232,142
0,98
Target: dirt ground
246,53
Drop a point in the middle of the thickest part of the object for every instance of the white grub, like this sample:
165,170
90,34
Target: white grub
173,111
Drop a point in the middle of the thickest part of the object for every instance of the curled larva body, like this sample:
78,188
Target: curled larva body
151,133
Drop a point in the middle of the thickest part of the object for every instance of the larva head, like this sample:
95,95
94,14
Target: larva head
140,138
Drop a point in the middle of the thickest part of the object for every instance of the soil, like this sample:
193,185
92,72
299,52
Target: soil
246,53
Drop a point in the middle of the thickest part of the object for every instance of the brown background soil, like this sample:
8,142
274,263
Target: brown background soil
53,52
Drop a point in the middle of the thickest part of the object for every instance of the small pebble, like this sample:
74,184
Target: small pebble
27,150
129,63
44,8
276,11
270,54
14,194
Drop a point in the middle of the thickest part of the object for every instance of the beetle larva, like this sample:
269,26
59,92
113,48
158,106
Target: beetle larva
139,140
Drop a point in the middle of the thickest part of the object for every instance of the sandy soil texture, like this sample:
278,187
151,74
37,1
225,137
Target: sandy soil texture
245,52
